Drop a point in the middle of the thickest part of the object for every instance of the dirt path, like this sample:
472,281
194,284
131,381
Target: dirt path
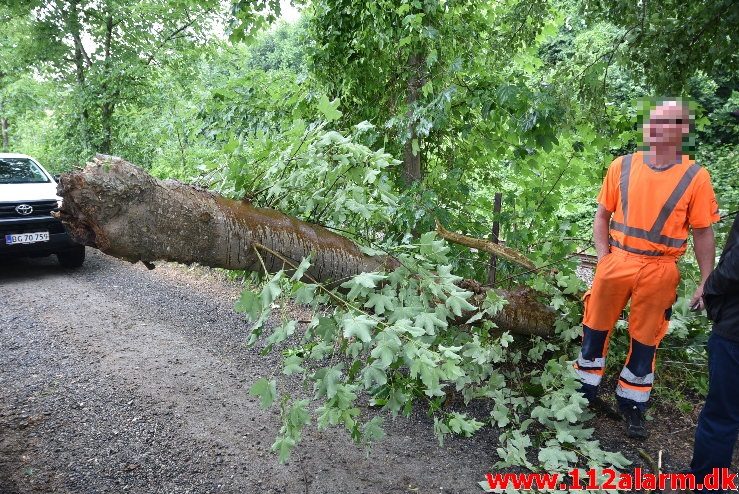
119,379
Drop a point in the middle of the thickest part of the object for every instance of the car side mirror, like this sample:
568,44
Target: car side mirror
57,177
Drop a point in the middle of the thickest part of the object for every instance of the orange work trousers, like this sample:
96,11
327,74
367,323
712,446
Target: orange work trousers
651,284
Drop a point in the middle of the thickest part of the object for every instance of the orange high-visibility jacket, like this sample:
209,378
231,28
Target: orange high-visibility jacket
653,208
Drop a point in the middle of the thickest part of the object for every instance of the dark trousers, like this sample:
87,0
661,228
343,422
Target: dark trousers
718,423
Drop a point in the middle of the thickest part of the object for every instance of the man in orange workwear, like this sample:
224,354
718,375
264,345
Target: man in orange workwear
647,203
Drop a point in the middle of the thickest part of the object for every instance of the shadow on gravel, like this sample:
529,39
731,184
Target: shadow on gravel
12,446
26,268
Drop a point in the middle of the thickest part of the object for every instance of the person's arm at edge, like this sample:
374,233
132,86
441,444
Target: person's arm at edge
600,231
705,253
725,279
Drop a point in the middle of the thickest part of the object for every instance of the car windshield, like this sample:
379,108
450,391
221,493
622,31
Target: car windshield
21,171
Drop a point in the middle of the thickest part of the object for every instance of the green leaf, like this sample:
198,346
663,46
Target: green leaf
403,9
292,365
540,413
231,146
328,381
457,302
373,376
460,424
371,251
450,352
387,347
493,303
431,246
500,415
326,328
301,269
406,326
306,293
427,88
568,412
553,458
271,290
282,332
284,446
397,400
372,431
249,303
298,416
616,459
265,390
429,322
329,108
379,302
505,339
319,351
476,317
440,430
558,301
359,327
361,284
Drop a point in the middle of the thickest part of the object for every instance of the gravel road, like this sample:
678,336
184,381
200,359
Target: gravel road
119,379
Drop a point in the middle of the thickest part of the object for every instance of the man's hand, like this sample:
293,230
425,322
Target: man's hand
696,301
705,253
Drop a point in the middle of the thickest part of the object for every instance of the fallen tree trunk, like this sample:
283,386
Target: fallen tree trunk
119,209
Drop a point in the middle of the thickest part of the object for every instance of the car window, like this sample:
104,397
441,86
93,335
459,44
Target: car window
21,171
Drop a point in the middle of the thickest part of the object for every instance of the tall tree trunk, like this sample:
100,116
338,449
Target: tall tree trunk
6,137
495,238
106,114
4,125
81,62
121,210
412,166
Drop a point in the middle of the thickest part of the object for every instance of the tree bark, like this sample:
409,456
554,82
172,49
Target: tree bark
4,122
6,137
81,62
106,114
485,246
120,209
495,238
412,167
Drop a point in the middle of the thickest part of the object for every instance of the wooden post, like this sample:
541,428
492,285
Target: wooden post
495,237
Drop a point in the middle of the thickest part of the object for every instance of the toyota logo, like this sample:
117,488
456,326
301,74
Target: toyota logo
24,209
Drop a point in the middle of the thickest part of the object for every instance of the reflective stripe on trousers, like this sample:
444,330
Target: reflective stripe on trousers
650,283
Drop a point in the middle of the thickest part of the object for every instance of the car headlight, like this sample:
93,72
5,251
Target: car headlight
59,203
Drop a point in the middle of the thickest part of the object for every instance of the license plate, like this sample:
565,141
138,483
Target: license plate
26,238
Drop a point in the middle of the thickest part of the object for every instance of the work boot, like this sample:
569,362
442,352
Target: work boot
636,426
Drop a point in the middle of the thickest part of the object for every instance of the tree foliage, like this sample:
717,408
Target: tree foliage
670,40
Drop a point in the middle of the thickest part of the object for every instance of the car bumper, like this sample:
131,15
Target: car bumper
59,240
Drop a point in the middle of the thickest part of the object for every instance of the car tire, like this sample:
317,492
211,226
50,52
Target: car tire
72,258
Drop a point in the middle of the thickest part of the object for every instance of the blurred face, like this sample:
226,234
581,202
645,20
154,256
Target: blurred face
667,125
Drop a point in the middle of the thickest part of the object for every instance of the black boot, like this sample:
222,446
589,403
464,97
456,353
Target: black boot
636,426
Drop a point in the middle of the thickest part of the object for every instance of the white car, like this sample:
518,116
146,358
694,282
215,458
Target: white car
27,198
